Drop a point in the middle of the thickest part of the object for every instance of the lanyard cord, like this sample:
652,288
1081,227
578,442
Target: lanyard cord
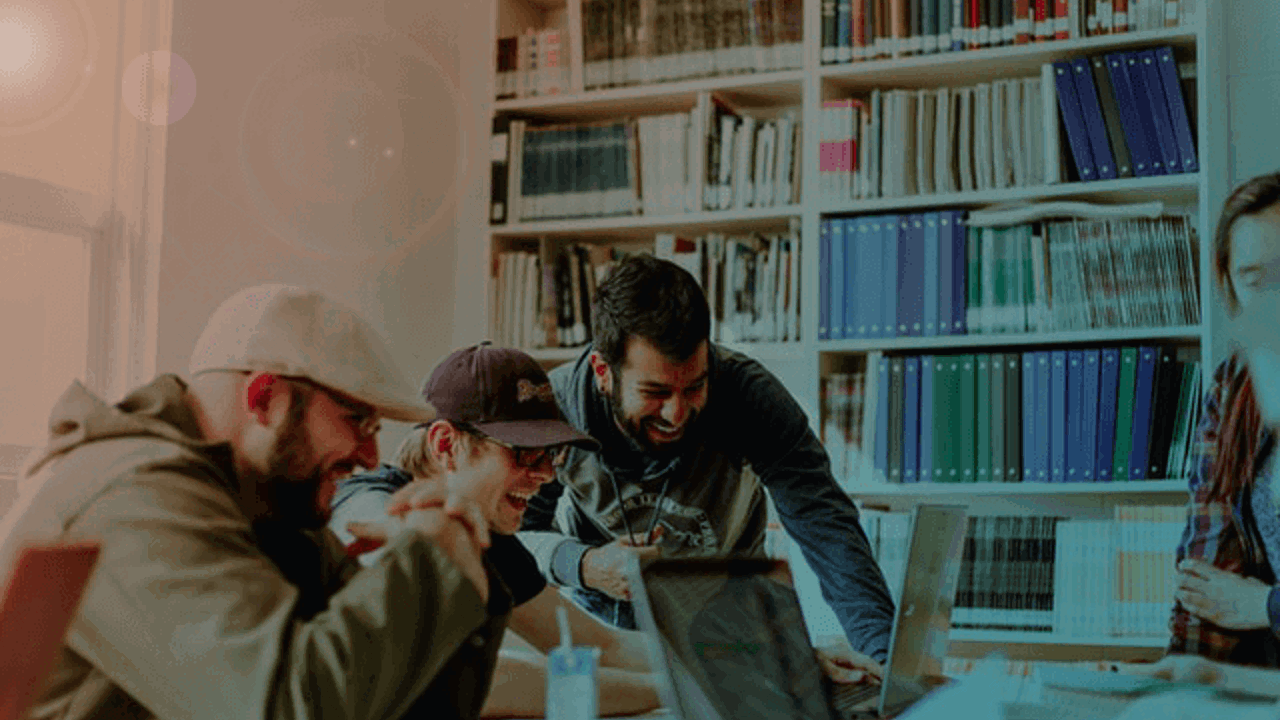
622,510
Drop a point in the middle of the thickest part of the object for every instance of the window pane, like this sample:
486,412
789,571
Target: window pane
44,316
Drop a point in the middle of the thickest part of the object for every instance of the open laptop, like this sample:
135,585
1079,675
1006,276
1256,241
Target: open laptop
37,604
728,638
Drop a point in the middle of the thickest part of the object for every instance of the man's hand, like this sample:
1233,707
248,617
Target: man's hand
421,494
1223,598
451,536
843,664
1177,668
605,568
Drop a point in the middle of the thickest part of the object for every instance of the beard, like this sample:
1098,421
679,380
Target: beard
291,490
637,430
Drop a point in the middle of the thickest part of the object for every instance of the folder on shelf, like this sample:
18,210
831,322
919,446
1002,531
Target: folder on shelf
997,420
1057,416
1143,400
1177,105
924,454
1136,81
1124,414
1031,440
836,274
1111,117
958,270
1138,138
1073,120
911,420
1014,419
1089,416
945,414
882,418
1051,160
824,279
911,268
946,219
853,288
966,457
930,311
982,418
892,230
897,404
1095,123
1074,404
1146,79
1167,390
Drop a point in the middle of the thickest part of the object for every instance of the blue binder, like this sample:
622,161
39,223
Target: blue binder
924,471
882,418
1058,416
1073,119
854,287
1075,400
1089,416
871,272
1030,416
1044,413
1141,141
1142,101
836,271
1108,383
1095,124
911,418
911,262
824,280
959,270
1143,396
931,257
1177,105
1150,72
891,230
945,272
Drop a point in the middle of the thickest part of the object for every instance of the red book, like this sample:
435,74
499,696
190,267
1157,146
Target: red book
1061,21
975,22
859,29
1120,16
1022,21
1042,20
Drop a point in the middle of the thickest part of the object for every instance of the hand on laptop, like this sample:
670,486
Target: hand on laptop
1177,668
843,664
605,568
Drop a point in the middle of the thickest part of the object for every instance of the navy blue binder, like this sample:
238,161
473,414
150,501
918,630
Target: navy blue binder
1108,383
1095,123
911,420
1177,105
1073,120
1143,396
1058,416
1138,137
824,280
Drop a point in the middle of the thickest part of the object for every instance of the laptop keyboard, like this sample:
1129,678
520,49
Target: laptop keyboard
844,696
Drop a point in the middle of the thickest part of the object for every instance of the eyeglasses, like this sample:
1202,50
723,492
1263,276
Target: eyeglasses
526,457
364,419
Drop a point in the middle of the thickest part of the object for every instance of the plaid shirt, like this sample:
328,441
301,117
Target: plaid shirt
1224,533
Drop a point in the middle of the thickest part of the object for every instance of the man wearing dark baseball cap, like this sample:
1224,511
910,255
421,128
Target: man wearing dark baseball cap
218,592
498,436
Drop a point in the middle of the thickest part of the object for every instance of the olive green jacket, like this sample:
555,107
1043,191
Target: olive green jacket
189,614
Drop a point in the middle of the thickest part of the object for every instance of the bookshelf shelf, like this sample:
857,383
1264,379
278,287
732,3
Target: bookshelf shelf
773,88
622,227
1002,62
934,491
1190,333
1042,638
1173,190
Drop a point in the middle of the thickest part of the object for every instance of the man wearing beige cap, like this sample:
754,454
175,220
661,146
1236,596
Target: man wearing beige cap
218,593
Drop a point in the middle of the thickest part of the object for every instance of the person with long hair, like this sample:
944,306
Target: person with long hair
1228,602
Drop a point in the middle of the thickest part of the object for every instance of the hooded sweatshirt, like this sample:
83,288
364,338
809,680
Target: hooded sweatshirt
196,612
708,498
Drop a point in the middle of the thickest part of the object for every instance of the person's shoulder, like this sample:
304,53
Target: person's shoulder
385,477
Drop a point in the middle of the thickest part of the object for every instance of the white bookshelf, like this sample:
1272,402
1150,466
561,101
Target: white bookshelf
802,364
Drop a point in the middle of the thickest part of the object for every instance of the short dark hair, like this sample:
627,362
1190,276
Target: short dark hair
653,299
1250,198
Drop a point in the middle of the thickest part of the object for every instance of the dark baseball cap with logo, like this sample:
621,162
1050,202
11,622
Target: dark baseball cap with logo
503,393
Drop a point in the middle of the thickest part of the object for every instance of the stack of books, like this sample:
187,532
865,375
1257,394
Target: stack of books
928,274
1109,414
856,30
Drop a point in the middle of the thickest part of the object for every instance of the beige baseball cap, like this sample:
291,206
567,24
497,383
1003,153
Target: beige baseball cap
299,332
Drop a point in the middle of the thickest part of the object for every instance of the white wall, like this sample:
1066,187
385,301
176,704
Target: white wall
261,183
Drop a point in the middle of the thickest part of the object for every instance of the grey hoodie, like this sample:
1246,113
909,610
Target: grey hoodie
194,612
751,436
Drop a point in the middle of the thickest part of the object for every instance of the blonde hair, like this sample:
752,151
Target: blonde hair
414,454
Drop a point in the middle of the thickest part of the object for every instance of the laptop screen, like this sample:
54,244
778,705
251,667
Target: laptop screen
735,640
